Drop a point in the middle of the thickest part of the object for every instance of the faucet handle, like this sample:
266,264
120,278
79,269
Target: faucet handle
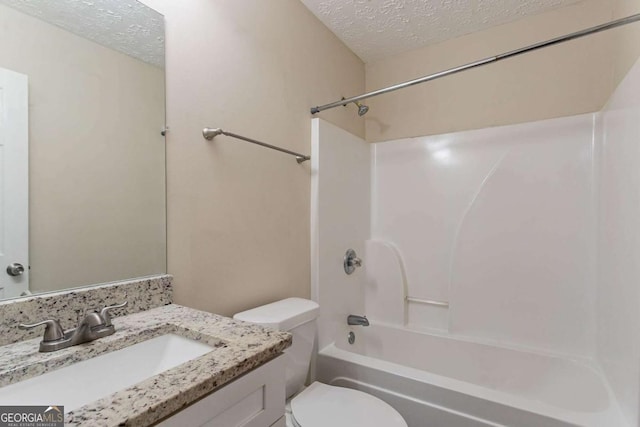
52,332
351,261
106,316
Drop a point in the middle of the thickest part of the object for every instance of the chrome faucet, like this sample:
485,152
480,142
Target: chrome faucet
354,320
90,328
93,326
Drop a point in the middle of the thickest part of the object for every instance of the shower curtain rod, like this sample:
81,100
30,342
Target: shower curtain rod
489,60
210,133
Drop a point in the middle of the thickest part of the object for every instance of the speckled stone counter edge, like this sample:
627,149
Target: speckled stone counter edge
66,306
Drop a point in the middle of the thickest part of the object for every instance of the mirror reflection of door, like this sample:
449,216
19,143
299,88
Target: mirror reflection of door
14,184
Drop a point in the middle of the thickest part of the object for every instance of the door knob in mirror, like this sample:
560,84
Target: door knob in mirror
15,269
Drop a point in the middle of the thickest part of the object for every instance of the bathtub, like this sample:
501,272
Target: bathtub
438,381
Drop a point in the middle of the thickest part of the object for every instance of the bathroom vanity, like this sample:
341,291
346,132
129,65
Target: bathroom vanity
165,365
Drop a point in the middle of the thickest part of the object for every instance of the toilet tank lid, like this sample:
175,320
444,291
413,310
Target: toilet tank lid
283,315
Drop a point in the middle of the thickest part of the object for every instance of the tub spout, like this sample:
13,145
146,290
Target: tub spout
352,319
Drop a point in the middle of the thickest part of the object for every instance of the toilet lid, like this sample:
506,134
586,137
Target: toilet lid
321,405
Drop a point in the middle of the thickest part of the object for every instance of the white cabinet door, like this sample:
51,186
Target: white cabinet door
14,181
256,399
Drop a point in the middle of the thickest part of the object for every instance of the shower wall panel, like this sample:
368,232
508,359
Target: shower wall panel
499,223
340,206
618,294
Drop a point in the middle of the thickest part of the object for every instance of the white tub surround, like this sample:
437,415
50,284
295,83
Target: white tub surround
340,206
618,289
496,225
500,269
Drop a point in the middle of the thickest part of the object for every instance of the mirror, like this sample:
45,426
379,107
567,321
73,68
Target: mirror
82,155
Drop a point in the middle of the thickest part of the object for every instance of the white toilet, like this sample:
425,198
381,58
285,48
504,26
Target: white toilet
318,405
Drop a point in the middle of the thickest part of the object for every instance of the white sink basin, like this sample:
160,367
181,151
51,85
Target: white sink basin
84,382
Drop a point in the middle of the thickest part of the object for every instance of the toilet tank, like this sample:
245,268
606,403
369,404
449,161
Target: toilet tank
295,315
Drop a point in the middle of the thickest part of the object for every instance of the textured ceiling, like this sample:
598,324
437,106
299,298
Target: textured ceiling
375,29
127,26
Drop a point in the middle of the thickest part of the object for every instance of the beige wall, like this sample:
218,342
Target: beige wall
238,214
96,156
566,79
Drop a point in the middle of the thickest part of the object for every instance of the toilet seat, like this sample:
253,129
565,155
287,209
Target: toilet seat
321,405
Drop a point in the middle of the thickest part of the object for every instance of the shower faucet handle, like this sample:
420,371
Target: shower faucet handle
351,261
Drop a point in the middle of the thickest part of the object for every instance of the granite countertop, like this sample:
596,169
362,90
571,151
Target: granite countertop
238,348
